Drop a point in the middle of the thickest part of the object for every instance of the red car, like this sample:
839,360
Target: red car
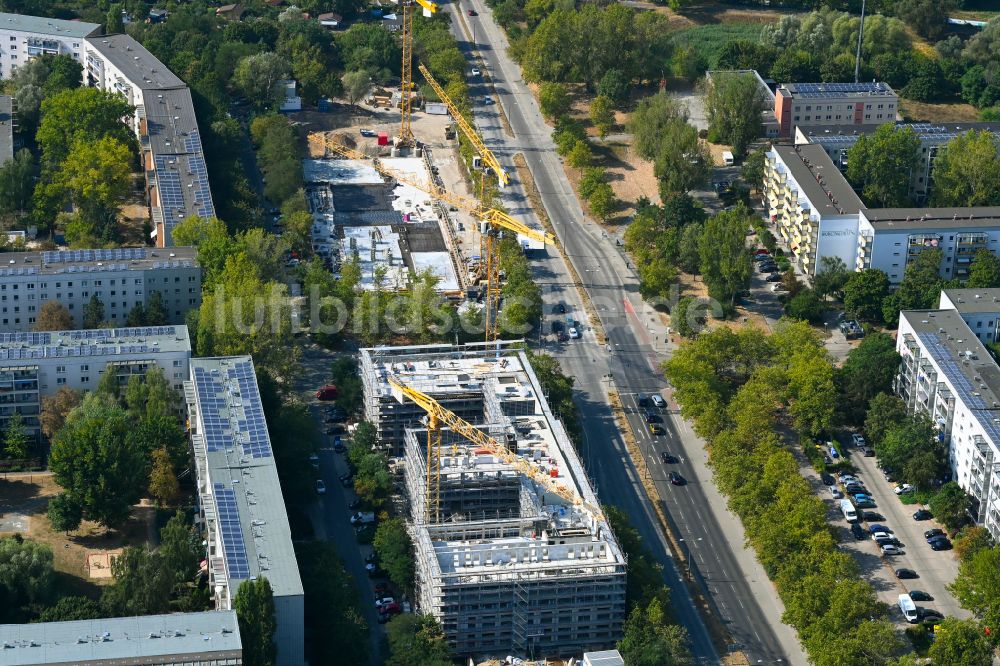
390,609
471,12
328,392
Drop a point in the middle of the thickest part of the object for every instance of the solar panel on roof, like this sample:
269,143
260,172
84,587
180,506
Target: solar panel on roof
237,562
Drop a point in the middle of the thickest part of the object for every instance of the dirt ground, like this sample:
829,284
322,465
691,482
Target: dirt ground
938,113
24,500
692,285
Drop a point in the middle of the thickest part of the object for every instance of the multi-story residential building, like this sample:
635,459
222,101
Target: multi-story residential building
836,141
812,104
210,638
241,505
979,308
35,365
948,374
890,238
768,123
812,207
121,279
25,37
164,121
505,565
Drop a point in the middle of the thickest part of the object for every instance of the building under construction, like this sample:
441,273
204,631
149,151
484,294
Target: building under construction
504,563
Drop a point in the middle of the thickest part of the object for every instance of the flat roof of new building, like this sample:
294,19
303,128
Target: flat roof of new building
47,26
603,658
242,493
826,90
57,262
6,129
932,218
182,187
205,636
848,134
964,361
142,68
139,341
340,172
974,300
819,179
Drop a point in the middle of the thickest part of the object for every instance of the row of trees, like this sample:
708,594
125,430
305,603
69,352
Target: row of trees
965,173
735,385
278,156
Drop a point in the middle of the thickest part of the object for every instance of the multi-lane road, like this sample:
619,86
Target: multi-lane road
626,363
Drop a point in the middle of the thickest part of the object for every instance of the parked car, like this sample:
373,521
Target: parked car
826,479
857,440
906,573
891,549
930,616
354,503
940,544
656,429
314,460
573,333
936,532
835,492
855,489
847,478
903,489
561,308
879,528
676,479
922,514
918,595
320,487
857,531
381,589
476,71
868,452
871,515
368,132
773,277
776,287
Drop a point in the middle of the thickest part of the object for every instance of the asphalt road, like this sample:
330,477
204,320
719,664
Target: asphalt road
630,356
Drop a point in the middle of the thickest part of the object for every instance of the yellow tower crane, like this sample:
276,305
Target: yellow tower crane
437,416
493,218
406,87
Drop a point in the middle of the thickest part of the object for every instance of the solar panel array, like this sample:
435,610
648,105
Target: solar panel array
168,180
237,562
25,353
253,424
69,256
211,399
813,90
26,338
965,389
28,270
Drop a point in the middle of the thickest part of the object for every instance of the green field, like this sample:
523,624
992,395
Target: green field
710,39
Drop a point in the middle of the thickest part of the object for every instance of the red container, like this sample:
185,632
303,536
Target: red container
383,138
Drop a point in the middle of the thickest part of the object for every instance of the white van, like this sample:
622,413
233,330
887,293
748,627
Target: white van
727,158
848,510
909,608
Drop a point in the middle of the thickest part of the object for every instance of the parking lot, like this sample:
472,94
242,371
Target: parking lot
935,569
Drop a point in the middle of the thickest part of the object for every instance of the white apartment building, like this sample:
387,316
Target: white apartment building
948,374
836,141
34,365
121,278
979,308
25,37
241,505
811,104
890,238
813,209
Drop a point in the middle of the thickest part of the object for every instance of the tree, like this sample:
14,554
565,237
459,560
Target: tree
580,156
920,287
17,183
923,468
55,409
880,165
734,104
64,512
901,442
356,85
688,248
180,549
885,412
93,313
967,172
951,505
254,606
683,162
156,310
813,395
142,584
81,116
725,258
113,23
16,440
806,306
795,65
395,552
68,609
602,201
864,293
614,86
95,459
649,639
257,76
929,18
593,177
344,374
649,121
602,114
26,575
752,170
416,640
553,100
870,369
832,276
961,643
163,485
977,586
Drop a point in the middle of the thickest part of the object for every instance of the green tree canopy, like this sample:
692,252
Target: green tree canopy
26,575
734,103
984,273
879,165
967,171
81,115
977,587
725,258
951,505
142,584
870,369
416,640
257,76
553,100
395,552
864,293
961,643
254,606
651,640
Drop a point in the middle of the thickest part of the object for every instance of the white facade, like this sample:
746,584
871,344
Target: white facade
890,238
25,37
121,278
948,374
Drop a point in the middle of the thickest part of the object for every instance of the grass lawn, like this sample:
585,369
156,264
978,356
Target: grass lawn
711,39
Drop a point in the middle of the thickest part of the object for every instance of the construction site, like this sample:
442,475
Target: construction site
513,553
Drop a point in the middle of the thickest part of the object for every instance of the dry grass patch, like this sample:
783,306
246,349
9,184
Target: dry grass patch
938,113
